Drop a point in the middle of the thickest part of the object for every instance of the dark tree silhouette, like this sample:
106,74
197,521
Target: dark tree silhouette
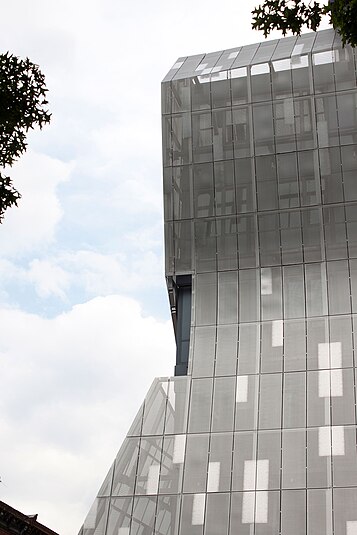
22,106
293,15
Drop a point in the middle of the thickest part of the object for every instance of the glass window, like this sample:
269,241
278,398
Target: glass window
335,232
222,134
200,93
249,348
338,287
294,345
281,78
294,402
166,141
182,192
293,287
345,511
204,351
294,459
181,139
154,409
284,125
205,245
326,117
312,234
345,77
223,404
119,516
349,168
203,190
271,293
177,403
318,398
206,298
260,82
288,187
192,514
353,272
169,248
309,178
200,406
171,470
147,477
262,506
202,143
270,401
135,428
241,132
168,193
293,507
263,129
247,402
226,354
269,238
196,462
167,515
239,86
305,129
341,332
291,237
319,508
224,188
268,465
220,459
244,452
96,519
248,241
345,459
125,468
249,304
347,117
181,95
217,514
143,515
227,297
351,218
323,71
317,337
106,487
166,97
267,510
245,188
227,243
331,177
267,183
315,287
318,458
343,411
302,81
221,91
272,346
183,246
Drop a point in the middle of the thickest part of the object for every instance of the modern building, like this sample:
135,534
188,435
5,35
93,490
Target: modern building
256,433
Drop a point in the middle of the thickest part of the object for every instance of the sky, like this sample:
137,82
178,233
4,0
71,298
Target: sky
84,315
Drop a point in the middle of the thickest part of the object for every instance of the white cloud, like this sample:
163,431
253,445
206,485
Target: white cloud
33,223
48,279
70,389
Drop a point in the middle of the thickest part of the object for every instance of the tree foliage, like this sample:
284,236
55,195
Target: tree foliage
293,15
22,106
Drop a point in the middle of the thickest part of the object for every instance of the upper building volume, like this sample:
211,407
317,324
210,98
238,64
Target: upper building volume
256,433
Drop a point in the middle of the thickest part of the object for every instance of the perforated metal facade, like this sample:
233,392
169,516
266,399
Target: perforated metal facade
260,186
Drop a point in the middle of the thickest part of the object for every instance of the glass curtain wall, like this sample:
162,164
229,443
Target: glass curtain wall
260,196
